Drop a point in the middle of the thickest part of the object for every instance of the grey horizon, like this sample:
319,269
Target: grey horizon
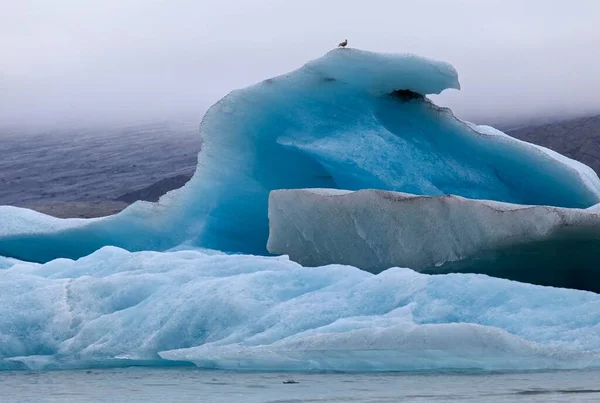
149,59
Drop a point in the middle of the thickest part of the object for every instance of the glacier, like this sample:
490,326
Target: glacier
222,311
348,120
375,230
189,280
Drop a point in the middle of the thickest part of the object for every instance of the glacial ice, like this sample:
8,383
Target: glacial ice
375,230
5,262
152,286
351,120
117,308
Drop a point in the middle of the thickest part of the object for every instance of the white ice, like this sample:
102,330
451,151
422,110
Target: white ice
248,312
375,230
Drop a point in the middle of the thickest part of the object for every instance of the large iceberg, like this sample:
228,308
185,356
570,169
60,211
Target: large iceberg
375,230
153,286
116,308
350,120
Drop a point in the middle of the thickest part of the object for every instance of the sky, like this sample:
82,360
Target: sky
128,60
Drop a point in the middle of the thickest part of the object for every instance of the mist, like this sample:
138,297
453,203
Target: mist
116,61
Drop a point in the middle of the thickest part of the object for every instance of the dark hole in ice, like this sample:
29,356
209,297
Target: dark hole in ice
406,95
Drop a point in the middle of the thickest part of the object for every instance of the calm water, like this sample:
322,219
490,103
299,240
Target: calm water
185,384
83,163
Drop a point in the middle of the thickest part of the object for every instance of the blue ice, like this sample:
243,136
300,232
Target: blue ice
333,123
104,292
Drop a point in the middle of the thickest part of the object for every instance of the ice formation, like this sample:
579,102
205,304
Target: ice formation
351,120
249,312
5,263
375,230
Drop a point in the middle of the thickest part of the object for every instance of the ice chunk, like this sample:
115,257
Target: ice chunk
350,120
249,312
375,230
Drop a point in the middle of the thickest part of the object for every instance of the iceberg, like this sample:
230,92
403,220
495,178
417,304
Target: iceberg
214,310
186,280
375,230
349,120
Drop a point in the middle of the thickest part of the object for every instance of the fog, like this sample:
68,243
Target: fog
142,60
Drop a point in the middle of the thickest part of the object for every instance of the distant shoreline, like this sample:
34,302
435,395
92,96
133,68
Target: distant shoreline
80,209
105,207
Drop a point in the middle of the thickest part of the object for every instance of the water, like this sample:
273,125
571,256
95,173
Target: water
187,384
73,164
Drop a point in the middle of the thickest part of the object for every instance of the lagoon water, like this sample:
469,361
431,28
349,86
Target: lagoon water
193,385
65,164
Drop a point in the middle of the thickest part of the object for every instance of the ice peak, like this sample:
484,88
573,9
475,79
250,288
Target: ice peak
386,72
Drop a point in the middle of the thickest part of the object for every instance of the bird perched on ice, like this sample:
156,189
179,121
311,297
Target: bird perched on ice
343,44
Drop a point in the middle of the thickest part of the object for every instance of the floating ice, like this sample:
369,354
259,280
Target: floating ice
375,230
248,312
351,120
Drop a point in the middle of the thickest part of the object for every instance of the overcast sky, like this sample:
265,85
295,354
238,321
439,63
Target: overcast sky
109,60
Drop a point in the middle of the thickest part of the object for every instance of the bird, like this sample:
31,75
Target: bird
343,44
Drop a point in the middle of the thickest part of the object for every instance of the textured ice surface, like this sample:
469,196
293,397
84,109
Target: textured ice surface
5,262
351,120
375,230
247,312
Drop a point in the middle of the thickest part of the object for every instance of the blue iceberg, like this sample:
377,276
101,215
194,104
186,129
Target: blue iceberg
349,120
158,284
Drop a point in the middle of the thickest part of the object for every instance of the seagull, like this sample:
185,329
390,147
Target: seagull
343,44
